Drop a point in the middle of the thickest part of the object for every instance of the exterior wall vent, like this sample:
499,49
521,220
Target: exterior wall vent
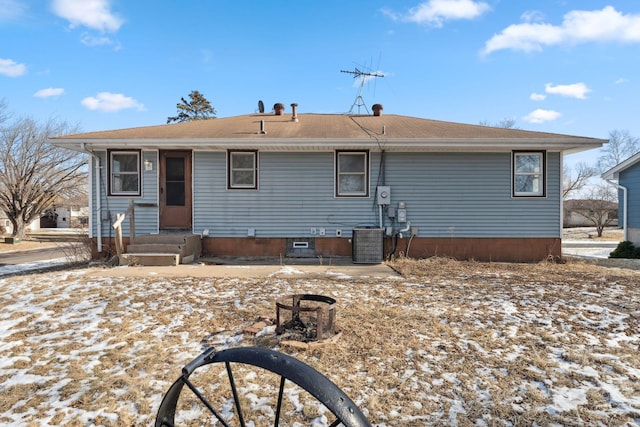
301,247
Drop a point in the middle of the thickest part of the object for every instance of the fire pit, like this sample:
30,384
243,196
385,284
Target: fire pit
306,317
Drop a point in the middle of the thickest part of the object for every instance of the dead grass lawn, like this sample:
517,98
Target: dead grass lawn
449,342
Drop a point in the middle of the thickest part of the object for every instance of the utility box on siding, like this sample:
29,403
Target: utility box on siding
367,245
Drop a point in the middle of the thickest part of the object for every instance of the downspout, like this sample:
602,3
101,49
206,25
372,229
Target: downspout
98,209
624,207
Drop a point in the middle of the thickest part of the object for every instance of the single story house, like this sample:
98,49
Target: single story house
579,212
627,178
276,184
6,227
65,216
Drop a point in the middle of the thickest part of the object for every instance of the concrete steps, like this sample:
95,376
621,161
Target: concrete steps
162,250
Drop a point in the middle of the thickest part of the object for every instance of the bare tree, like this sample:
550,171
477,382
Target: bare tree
506,123
621,146
35,174
197,108
599,206
573,183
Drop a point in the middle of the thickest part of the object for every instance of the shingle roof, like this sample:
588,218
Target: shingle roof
615,171
327,131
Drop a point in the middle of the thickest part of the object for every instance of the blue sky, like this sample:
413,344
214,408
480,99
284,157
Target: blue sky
565,66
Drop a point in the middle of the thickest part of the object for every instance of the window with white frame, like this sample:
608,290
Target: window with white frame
242,170
529,173
352,173
124,173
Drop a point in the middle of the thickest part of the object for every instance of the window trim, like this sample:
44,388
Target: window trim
230,185
542,174
366,173
110,173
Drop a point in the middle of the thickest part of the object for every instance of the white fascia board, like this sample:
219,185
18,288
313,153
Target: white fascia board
614,171
320,144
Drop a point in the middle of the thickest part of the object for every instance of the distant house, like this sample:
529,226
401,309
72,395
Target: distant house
577,213
627,175
5,224
65,216
276,184
6,227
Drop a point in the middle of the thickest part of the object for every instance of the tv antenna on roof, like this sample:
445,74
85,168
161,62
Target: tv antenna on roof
364,77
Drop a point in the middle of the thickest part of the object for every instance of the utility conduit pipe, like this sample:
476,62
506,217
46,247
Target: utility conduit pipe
97,195
624,207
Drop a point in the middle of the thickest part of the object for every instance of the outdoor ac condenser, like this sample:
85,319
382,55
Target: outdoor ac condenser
367,245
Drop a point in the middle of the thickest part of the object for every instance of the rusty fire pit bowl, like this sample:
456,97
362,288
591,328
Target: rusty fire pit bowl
306,317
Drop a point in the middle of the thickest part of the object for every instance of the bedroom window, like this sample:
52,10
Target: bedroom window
242,170
124,173
352,173
529,174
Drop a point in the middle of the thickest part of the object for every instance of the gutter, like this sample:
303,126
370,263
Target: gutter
98,207
624,206
327,144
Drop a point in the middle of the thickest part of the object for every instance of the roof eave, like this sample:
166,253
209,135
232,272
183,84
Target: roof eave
614,172
567,145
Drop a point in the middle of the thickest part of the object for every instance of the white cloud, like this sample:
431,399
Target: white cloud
537,96
541,116
621,80
11,10
532,16
436,12
578,26
111,102
94,14
576,90
89,40
10,68
46,93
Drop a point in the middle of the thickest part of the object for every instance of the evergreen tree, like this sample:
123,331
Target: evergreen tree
197,108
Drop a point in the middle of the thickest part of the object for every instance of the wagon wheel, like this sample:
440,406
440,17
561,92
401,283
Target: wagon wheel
318,386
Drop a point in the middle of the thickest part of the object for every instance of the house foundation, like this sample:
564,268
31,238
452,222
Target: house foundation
479,249
485,249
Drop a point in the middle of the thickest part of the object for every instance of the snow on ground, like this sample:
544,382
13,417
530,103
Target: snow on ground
7,270
457,344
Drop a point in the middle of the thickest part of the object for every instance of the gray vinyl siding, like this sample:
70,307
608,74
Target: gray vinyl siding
470,195
630,178
146,217
446,195
295,193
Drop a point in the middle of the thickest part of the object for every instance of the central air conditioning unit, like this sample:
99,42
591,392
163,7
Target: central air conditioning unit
367,245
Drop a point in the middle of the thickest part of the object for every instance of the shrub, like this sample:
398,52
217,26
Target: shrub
625,250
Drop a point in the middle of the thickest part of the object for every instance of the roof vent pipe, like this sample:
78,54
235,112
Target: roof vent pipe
262,131
377,109
278,108
294,114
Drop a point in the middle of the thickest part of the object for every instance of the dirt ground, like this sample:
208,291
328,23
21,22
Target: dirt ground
614,234
439,342
25,245
578,233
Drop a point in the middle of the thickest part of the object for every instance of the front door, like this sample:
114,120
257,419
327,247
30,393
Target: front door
175,189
